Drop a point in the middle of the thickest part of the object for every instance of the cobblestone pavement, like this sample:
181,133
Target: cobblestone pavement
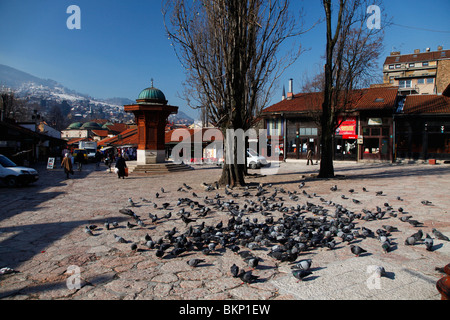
42,237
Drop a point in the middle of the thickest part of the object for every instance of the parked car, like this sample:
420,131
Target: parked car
13,175
254,160
83,151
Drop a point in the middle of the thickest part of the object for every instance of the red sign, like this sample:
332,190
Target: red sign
347,127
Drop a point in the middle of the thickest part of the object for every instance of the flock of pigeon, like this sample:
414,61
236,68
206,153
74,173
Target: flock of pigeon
283,231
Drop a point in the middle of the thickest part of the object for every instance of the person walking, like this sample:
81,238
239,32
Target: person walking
309,155
120,166
98,159
80,159
67,165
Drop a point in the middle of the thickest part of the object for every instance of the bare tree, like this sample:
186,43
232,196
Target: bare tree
12,107
230,50
352,49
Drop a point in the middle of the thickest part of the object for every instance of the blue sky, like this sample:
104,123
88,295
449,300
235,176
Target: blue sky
122,44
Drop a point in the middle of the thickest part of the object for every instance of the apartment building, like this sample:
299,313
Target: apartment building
418,73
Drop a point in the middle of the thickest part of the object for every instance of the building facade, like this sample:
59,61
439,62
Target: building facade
418,73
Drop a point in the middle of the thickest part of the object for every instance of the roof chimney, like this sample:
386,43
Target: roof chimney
428,49
440,48
417,51
283,96
290,94
395,53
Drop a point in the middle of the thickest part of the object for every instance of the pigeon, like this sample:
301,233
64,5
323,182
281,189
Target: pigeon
389,228
168,215
127,212
88,231
379,193
107,226
134,247
194,262
426,203
186,220
131,202
247,277
303,264
157,195
252,262
414,223
378,270
410,241
428,242
300,274
119,239
159,253
439,235
333,188
234,269
357,250
386,246
130,225
418,235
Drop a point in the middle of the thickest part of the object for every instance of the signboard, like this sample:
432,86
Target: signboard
51,163
347,127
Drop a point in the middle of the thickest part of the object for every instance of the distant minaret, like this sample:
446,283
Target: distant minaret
283,97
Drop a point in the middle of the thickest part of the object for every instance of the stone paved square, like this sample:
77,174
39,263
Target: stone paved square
42,235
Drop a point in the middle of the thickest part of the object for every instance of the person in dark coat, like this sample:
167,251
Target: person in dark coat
121,165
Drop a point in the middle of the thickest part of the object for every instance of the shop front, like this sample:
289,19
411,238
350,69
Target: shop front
377,139
346,139
302,133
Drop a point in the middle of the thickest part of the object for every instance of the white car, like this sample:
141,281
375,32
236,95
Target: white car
254,160
13,175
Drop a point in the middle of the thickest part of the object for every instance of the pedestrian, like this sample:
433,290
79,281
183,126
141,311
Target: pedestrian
98,158
67,165
80,159
309,155
120,167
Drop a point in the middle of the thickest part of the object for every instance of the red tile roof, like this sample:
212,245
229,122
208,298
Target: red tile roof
378,98
427,104
301,102
127,137
417,57
215,135
100,133
361,99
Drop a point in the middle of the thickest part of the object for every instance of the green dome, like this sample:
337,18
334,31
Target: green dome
152,95
91,126
75,126
106,125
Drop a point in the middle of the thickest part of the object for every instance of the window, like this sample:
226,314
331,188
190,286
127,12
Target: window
421,81
425,64
391,66
405,83
398,66
412,65
430,80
